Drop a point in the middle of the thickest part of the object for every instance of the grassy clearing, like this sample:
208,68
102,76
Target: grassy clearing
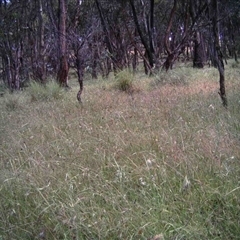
163,160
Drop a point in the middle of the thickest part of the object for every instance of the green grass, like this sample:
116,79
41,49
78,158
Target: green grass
124,81
115,166
50,91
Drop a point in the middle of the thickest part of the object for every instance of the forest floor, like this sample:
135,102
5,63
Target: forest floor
159,161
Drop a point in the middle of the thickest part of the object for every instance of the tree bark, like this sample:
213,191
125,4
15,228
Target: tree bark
79,65
198,51
62,75
233,42
38,54
168,63
217,51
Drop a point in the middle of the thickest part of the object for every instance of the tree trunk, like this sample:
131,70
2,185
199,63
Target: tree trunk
233,42
38,58
79,65
13,66
42,67
107,37
149,51
94,58
217,51
168,62
62,75
135,59
198,51
9,72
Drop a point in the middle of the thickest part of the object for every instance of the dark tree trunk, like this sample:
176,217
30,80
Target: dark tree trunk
135,59
62,75
94,56
94,61
151,32
16,69
170,54
12,67
9,72
149,51
63,72
79,65
41,47
169,61
107,37
217,50
37,44
232,40
198,51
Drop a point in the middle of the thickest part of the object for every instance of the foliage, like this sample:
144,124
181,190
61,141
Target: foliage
164,162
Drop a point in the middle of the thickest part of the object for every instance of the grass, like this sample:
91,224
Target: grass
163,161
50,91
124,81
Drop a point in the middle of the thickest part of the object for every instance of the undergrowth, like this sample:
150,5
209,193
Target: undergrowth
163,162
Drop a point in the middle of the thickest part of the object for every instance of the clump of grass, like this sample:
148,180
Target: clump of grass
124,81
40,92
177,77
235,64
13,101
3,89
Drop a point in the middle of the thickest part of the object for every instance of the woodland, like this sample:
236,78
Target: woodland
119,119
39,39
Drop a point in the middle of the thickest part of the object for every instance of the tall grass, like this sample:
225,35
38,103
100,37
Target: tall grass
124,81
50,91
163,162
